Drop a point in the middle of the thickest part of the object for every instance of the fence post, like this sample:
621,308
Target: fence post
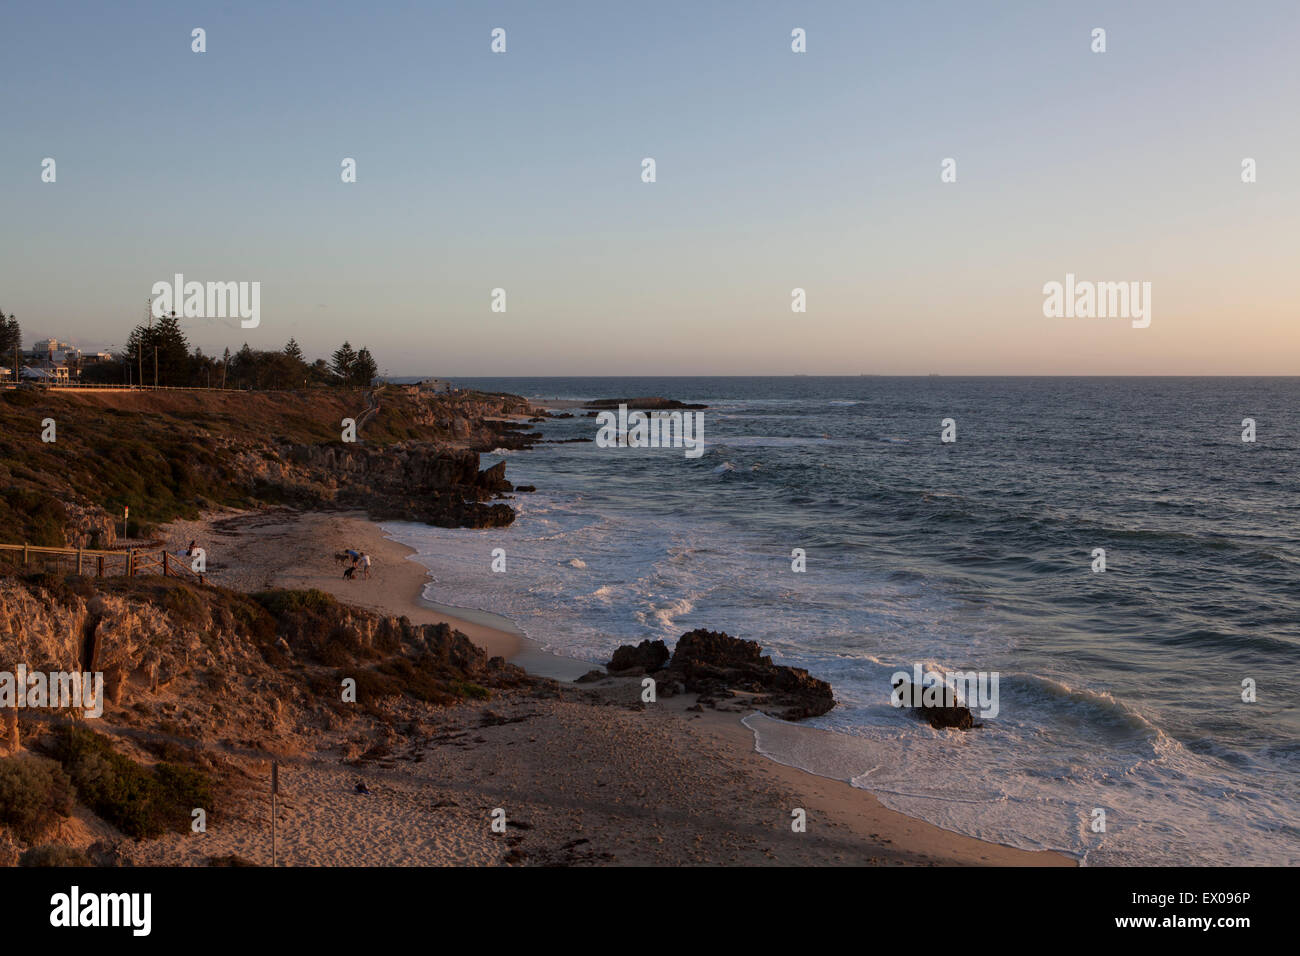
99,569
164,563
24,555
130,562
78,562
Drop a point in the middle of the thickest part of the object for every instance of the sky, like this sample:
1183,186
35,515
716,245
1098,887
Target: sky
775,170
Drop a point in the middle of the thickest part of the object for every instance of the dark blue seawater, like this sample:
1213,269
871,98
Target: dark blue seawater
1119,691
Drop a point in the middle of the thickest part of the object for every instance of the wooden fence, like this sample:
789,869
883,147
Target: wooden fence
129,562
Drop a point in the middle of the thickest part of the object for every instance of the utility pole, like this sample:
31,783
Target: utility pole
275,788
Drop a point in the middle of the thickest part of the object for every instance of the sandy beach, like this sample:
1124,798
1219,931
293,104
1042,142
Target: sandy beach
584,773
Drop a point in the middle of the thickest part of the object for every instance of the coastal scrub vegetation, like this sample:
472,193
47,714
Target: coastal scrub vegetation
142,802
164,454
171,455
294,647
34,794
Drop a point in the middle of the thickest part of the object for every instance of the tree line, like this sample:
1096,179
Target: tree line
159,353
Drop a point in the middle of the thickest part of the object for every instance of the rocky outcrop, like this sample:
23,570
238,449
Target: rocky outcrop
649,403
645,657
946,715
716,665
410,481
88,526
415,458
212,663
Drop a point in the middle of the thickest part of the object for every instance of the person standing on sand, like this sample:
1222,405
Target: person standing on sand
365,565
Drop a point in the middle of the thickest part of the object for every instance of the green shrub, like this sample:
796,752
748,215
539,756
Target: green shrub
141,802
281,602
53,854
184,606
183,788
64,588
471,690
416,678
39,517
34,793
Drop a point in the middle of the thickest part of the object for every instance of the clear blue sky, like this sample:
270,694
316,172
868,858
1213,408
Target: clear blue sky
775,170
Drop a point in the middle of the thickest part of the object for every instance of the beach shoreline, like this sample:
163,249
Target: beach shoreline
704,759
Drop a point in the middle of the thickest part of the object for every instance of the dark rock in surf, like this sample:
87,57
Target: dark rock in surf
951,715
652,403
715,665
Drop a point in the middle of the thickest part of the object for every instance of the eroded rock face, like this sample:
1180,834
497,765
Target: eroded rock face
411,481
214,664
89,526
713,664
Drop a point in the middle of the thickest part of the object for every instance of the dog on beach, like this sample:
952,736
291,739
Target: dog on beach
340,557
347,574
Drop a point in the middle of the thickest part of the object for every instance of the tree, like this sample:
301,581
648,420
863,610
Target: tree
364,368
343,360
243,367
293,351
172,352
139,344
11,337
162,349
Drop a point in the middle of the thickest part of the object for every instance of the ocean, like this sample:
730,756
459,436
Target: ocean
1120,691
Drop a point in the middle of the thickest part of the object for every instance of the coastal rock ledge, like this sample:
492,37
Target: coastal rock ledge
716,665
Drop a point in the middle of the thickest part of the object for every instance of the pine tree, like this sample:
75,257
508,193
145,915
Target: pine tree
364,368
11,336
342,362
138,345
172,352
293,351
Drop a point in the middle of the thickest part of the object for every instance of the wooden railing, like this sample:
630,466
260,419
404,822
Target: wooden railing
129,562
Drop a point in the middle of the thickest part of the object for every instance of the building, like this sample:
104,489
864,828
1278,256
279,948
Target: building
63,360
58,375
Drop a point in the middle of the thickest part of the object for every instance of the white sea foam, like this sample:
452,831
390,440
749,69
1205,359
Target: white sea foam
1031,778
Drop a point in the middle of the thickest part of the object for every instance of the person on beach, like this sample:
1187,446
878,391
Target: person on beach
194,543
365,565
